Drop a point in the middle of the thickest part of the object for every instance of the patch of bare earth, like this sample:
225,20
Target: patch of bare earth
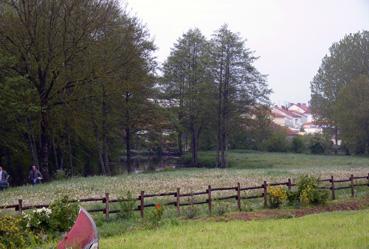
354,204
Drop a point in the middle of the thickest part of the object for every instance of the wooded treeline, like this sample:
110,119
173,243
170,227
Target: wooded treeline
79,90
340,90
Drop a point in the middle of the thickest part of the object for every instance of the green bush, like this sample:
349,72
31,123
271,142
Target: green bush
38,220
192,210
297,145
155,216
60,174
63,214
320,197
277,142
221,208
318,144
308,192
14,234
126,207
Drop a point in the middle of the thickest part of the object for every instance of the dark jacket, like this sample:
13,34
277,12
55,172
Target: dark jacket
4,176
33,174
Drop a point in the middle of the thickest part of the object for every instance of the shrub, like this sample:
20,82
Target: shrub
38,220
126,207
156,215
308,192
277,196
318,144
305,188
277,142
63,214
192,211
292,197
60,174
13,233
221,208
320,196
297,145
246,206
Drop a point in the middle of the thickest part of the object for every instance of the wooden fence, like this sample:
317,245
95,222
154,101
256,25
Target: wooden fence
177,195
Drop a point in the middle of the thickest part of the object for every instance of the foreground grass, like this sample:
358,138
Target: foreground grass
329,230
248,168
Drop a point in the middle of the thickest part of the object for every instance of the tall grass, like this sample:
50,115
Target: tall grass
248,168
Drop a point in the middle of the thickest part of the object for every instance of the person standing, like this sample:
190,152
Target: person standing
4,176
35,175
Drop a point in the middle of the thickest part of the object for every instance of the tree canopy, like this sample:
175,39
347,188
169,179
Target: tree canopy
345,65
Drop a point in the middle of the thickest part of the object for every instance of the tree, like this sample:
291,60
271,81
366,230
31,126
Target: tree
347,59
49,38
66,68
16,110
239,84
353,114
187,83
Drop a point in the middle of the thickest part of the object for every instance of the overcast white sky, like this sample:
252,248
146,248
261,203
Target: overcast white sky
290,36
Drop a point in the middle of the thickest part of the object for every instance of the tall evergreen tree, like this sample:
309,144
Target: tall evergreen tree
239,84
187,83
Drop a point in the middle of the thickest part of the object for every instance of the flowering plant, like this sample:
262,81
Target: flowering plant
277,195
156,215
13,234
38,220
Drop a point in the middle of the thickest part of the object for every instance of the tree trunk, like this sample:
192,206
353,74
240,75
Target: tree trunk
336,140
128,135
219,113
100,150
225,116
194,160
105,153
180,117
70,153
128,149
44,143
56,161
179,141
32,143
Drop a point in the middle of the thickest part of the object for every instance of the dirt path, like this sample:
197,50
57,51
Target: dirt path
354,204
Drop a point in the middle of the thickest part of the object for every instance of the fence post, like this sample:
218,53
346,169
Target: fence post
239,196
352,186
289,184
265,186
107,207
368,179
142,203
178,195
20,206
333,188
209,198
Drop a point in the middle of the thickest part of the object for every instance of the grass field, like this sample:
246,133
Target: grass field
248,168
328,230
243,159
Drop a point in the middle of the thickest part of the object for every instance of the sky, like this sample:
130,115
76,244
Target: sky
290,36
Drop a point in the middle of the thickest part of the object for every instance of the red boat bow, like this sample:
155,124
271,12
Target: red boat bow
83,234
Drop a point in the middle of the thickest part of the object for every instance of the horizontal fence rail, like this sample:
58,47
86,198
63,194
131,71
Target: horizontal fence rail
178,196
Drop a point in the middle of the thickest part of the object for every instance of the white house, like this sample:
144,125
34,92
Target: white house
297,117
312,128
